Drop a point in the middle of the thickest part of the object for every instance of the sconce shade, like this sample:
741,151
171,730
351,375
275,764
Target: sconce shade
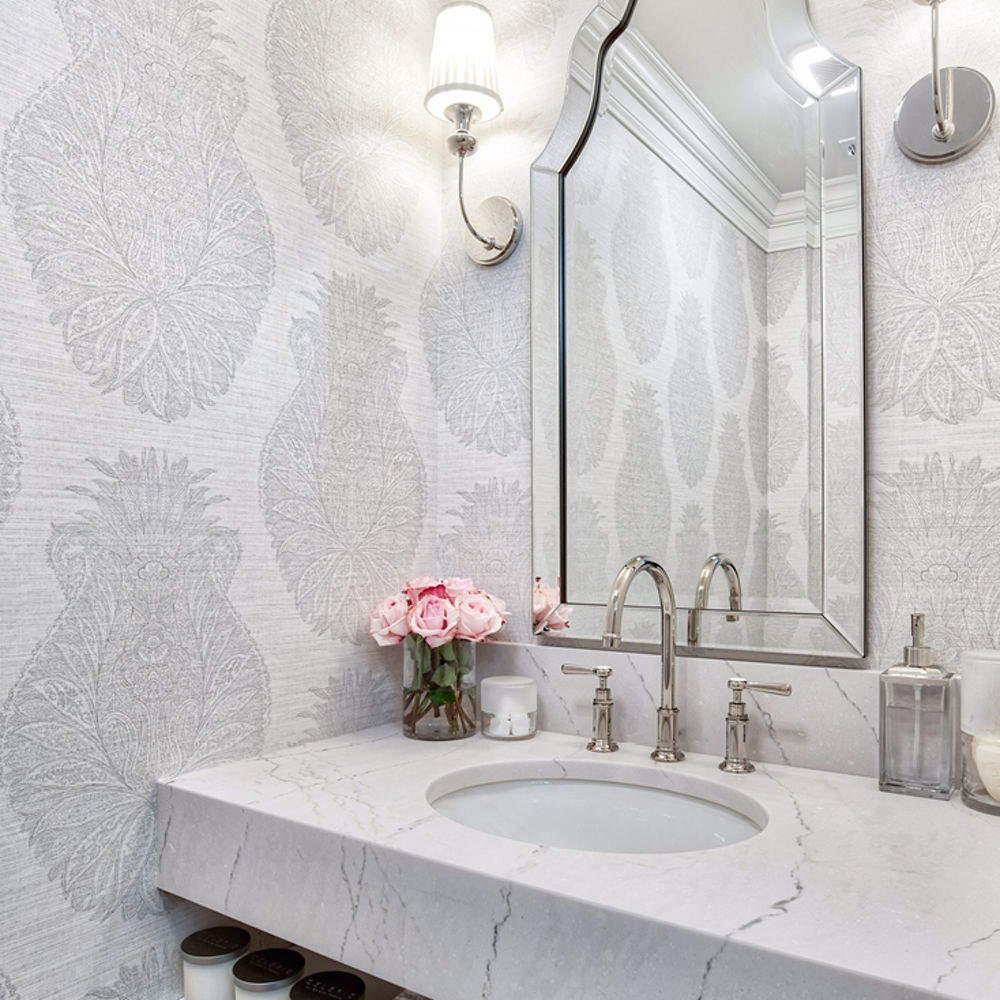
463,62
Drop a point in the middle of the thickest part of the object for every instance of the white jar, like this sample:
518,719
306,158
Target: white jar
508,707
209,956
980,670
335,984
267,975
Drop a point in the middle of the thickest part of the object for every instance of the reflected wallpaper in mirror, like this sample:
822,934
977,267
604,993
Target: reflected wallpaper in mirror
712,341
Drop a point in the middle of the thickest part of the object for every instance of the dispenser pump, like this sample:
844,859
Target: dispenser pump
917,654
918,715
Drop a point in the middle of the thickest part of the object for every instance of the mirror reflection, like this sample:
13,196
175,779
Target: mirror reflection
711,367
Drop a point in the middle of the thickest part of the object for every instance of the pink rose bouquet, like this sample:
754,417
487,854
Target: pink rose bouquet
439,621
548,614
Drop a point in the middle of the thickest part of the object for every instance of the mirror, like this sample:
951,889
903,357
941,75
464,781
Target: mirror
697,329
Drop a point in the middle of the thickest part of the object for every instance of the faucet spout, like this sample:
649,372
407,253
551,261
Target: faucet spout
715,561
666,716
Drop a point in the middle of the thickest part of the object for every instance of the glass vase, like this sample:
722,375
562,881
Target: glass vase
439,689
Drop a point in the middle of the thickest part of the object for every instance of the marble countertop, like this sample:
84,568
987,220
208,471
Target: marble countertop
847,894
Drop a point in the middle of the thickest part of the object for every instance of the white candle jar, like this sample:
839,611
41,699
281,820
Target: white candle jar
208,957
980,671
330,985
268,974
508,707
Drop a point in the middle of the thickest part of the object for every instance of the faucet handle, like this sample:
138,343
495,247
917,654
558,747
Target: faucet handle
736,760
602,741
602,673
741,684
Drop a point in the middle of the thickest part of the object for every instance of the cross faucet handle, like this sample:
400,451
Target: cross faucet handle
602,741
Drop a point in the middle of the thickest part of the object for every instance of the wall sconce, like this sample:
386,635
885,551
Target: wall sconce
943,115
463,90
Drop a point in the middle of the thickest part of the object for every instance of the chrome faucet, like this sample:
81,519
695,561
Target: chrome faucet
715,561
666,715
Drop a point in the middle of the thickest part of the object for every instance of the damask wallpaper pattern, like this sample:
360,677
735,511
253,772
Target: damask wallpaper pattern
226,217
145,231
221,210
342,481
148,672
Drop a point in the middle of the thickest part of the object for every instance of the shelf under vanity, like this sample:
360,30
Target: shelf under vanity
845,892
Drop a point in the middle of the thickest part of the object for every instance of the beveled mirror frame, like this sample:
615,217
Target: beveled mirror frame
833,642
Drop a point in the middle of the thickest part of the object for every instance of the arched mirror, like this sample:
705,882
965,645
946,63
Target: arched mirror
698,331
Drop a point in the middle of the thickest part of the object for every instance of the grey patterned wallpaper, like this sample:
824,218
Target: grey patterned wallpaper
218,438
688,377
248,383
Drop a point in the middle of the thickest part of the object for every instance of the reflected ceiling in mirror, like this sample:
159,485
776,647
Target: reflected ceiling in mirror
697,327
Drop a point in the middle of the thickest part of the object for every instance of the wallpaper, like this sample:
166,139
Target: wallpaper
688,383
218,438
249,383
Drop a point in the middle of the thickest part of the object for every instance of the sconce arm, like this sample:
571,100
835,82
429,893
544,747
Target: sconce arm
944,128
500,212
487,241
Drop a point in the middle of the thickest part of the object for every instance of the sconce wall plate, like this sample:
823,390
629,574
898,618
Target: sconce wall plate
946,113
499,216
964,89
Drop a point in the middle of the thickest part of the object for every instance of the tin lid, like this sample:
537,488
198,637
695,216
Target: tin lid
269,969
334,984
215,945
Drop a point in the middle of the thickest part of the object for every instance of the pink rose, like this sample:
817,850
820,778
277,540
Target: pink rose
435,618
547,613
456,588
558,619
544,600
388,622
479,616
424,584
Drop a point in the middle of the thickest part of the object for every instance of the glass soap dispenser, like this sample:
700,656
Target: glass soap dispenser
918,714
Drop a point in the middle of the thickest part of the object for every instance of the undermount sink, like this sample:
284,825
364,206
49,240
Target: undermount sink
597,806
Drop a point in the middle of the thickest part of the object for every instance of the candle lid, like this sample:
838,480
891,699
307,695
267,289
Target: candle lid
215,945
332,984
268,969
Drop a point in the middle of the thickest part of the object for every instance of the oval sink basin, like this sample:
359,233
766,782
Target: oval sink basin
597,807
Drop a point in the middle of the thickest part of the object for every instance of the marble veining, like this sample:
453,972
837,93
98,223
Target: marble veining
828,723
334,845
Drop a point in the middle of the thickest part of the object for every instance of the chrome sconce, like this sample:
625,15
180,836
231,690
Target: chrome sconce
463,90
943,115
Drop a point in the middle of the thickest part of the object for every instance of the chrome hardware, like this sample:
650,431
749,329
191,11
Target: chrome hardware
715,561
666,715
917,654
603,703
736,761
926,125
501,213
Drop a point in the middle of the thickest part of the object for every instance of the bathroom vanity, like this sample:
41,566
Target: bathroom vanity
844,892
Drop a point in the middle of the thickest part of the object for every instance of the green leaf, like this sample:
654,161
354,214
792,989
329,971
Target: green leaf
445,675
441,697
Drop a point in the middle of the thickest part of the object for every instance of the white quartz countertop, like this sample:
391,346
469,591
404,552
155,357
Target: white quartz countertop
847,894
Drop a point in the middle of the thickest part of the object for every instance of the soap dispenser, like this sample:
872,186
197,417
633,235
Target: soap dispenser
918,714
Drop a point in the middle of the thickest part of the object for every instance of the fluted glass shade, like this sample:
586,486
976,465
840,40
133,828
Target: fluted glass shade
463,62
